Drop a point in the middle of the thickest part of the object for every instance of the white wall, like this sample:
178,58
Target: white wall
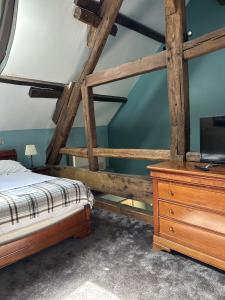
49,44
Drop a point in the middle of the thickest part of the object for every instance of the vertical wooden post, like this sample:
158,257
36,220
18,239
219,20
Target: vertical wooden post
90,125
178,81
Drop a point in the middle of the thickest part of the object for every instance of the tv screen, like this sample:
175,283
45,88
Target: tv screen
212,144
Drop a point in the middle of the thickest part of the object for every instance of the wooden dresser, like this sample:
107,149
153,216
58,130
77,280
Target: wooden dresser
189,211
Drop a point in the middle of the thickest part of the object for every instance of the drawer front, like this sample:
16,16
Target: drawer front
198,239
207,220
191,195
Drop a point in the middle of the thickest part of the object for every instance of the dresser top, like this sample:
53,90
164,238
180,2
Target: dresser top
217,171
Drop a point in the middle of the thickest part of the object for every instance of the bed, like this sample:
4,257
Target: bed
38,211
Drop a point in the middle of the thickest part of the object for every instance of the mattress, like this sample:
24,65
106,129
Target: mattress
30,202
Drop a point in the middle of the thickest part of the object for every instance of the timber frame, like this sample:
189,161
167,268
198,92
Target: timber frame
175,59
101,19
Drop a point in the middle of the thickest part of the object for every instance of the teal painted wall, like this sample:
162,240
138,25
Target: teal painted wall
144,121
41,137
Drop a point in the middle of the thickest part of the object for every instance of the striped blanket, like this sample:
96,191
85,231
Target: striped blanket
31,201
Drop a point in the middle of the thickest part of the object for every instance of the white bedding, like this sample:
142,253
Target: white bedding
21,179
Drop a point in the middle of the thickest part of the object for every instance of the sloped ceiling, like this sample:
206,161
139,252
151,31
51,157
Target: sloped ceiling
49,44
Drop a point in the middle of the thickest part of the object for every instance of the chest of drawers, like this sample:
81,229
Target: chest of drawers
189,211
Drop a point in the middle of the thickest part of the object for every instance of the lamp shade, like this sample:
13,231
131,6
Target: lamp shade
30,150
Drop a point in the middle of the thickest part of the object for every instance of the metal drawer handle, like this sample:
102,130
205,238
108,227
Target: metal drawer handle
171,229
171,211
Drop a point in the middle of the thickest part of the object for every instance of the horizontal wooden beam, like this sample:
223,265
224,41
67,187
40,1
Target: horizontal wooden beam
36,92
205,44
147,154
88,4
107,98
140,28
31,82
87,16
129,153
143,65
91,18
123,20
78,152
128,186
129,211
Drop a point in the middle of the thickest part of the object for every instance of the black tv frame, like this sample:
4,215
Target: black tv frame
209,157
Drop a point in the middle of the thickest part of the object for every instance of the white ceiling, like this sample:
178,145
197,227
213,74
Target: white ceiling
49,44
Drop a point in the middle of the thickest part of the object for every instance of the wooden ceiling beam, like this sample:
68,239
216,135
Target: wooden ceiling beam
205,44
93,8
31,82
36,92
143,65
87,17
91,19
107,98
140,28
108,12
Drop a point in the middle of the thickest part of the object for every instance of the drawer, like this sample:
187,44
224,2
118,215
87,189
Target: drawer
192,216
191,195
198,239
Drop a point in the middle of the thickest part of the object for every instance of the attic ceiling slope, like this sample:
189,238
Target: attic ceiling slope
49,44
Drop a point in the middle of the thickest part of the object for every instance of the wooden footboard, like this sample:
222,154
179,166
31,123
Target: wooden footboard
78,225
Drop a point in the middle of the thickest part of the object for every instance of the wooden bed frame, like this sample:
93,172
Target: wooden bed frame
78,225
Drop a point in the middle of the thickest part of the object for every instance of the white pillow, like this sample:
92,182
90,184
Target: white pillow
8,167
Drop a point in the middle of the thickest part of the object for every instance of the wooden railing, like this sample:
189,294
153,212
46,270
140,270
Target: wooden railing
146,154
119,153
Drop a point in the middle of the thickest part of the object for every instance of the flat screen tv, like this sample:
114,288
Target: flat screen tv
212,139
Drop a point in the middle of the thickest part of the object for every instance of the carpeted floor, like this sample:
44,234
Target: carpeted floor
115,262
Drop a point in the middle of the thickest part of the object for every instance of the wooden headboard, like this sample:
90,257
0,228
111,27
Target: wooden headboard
8,154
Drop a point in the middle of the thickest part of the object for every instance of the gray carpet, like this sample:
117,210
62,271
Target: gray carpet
115,262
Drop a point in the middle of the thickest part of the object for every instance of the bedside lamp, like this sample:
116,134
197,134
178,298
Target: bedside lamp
30,151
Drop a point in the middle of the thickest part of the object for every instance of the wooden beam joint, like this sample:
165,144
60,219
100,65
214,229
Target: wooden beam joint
93,18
